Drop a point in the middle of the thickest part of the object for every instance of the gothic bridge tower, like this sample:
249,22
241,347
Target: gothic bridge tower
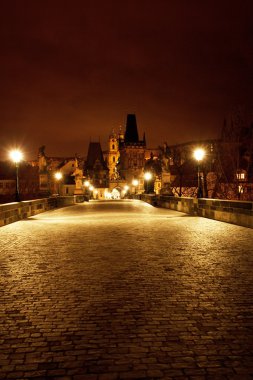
132,151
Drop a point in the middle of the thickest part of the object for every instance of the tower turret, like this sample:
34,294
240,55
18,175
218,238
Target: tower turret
113,155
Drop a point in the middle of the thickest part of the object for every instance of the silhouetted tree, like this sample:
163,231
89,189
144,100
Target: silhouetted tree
233,165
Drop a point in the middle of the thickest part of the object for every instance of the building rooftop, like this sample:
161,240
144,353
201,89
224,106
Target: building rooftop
95,154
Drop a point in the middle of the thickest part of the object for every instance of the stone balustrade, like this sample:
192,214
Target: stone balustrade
12,212
235,212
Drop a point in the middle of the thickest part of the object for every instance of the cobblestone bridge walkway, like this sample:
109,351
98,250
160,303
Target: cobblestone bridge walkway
122,290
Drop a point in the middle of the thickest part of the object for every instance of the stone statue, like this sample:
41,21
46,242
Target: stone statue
42,159
165,158
78,174
44,180
166,176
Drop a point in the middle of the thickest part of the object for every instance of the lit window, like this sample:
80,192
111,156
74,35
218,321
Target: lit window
240,176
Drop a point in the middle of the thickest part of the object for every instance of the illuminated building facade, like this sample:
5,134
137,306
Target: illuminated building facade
113,155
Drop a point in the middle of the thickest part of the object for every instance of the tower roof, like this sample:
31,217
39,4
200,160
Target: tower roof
131,134
95,154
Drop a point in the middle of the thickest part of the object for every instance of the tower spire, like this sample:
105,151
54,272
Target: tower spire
131,134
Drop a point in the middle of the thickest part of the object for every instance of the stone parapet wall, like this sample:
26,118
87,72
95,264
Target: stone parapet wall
148,198
235,212
12,212
187,205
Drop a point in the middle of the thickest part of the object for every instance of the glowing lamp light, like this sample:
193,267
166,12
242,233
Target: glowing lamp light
147,176
16,156
86,183
91,188
135,182
126,188
199,154
58,176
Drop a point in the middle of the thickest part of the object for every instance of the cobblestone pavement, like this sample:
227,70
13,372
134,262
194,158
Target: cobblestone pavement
122,290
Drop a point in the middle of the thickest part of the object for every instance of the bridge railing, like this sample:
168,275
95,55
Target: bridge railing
12,212
235,212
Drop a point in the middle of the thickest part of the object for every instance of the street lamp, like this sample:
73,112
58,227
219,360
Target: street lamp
58,177
91,188
96,193
148,176
135,183
16,156
199,154
125,191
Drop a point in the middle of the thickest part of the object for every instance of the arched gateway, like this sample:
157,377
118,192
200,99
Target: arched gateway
116,193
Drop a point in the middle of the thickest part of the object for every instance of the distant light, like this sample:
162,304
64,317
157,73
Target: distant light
16,155
91,188
135,182
147,176
107,194
126,187
87,183
58,176
199,154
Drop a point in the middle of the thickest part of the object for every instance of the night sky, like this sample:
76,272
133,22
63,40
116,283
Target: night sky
70,71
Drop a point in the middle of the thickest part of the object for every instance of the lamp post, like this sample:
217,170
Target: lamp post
148,176
126,189
16,156
58,177
199,154
135,183
91,188
86,190
96,193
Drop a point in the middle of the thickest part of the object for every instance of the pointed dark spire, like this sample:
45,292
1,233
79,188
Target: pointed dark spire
144,138
95,154
131,134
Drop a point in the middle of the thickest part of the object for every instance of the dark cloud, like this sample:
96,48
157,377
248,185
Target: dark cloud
70,71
